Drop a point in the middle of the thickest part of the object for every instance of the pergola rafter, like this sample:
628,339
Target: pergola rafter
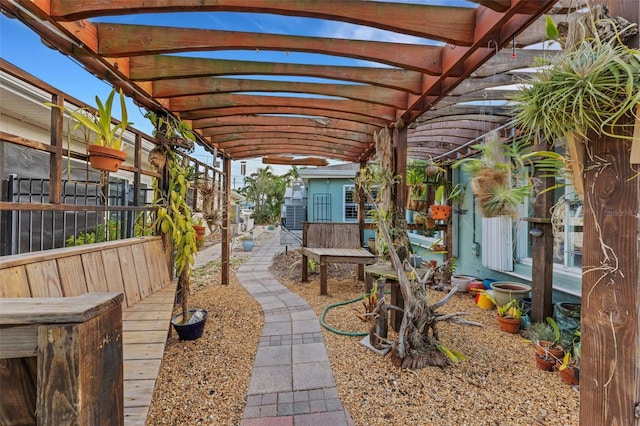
146,62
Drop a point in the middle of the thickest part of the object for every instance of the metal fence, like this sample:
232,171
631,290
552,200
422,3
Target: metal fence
89,212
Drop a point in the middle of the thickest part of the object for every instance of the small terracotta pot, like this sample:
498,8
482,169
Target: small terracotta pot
544,364
440,212
568,376
200,231
105,158
509,325
545,348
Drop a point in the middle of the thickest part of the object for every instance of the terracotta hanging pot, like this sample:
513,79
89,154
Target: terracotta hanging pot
106,158
440,211
200,231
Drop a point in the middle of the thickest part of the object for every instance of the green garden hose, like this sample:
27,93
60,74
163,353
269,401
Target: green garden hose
336,331
333,330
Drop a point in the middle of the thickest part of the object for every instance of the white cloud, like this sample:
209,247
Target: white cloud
345,30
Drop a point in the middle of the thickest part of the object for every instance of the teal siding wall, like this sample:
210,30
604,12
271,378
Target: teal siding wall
468,230
335,188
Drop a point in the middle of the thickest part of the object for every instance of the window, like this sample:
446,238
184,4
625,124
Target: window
351,206
567,217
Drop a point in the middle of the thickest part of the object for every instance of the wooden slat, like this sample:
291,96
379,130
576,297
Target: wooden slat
44,280
143,351
157,279
111,262
129,337
128,269
144,315
135,415
72,278
56,310
142,369
18,341
138,393
142,270
94,272
14,282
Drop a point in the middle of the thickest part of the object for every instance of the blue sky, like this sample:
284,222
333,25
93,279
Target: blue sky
23,48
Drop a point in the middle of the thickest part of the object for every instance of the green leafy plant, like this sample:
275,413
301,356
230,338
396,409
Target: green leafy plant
587,87
174,219
100,122
102,233
512,309
502,173
171,130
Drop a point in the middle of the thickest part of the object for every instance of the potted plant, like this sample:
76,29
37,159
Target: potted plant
501,173
545,337
199,227
509,316
416,188
440,210
503,291
171,131
247,242
569,366
175,220
589,86
457,196
105,153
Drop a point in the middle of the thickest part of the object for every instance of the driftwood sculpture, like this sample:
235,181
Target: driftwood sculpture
418,343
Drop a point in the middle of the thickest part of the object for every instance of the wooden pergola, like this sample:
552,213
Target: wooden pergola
425,92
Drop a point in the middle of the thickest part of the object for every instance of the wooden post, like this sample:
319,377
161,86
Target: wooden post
400,189
361,218
226,221
610,372
305,259
55,159
610,325
542,250
78,344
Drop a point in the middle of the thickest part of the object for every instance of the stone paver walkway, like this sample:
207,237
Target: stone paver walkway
292,382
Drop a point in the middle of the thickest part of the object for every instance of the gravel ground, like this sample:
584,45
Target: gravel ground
205,382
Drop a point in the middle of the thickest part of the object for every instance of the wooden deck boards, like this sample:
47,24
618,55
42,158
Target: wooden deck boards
148,291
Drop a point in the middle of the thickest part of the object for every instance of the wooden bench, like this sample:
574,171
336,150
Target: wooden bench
333,242
137,269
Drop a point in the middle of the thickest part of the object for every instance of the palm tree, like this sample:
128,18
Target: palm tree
266,191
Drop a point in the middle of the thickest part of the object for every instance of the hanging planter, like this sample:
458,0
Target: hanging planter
105,158
200,231
105,152
440,212
416,198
